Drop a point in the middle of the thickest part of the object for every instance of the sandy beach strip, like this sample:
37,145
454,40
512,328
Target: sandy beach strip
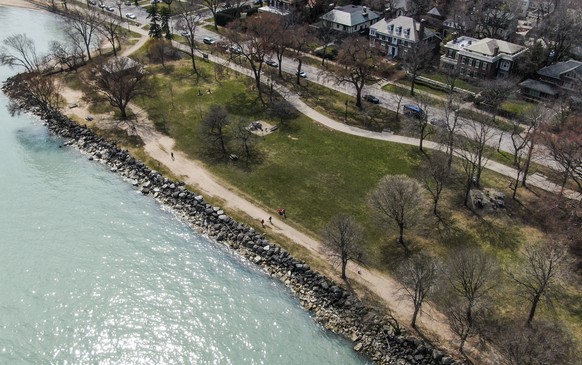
20,4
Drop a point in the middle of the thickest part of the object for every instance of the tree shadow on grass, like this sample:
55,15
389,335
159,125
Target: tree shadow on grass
245,104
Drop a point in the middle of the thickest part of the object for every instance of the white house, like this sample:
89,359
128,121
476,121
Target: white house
399,34
349,18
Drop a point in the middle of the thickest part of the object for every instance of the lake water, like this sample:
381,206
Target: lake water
91,272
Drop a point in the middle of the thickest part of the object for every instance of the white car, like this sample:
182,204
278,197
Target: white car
301,74
208,40
130,16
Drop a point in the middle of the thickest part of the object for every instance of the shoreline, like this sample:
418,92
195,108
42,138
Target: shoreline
335,308
24,4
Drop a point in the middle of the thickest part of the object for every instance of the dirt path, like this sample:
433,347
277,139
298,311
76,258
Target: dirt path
432,323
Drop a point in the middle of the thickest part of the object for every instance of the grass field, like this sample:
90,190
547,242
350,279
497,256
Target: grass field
316,173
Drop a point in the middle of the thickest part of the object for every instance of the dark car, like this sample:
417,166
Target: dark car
271,63
414,111
92,2
301,74
372,99
110,8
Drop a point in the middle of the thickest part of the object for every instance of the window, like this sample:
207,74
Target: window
478,64
484,66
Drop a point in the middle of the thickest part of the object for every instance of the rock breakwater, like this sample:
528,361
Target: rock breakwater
335,308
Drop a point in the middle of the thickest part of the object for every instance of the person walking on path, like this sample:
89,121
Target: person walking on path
270,219
263,223
172,154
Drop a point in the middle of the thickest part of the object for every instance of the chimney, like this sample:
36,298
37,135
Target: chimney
388,13
421,30
496,51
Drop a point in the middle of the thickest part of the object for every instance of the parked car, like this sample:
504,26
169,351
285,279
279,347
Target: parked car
271,63
235,50
301,74
372,99
92,2
101,5
130,16
211,41
110,8
128,3
184,33
439,122
414,111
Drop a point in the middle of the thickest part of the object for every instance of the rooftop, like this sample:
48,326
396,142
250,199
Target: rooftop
557,69
403,23
350,15
485,46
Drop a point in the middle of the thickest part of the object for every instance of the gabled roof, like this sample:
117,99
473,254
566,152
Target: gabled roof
405,23
539,86
350,15
487,46
437,12
560,68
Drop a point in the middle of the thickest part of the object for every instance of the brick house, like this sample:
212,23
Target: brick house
559,78
482,58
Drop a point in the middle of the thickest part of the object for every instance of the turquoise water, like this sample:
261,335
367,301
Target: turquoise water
91,272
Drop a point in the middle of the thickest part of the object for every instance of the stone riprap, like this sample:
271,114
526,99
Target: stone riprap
332,306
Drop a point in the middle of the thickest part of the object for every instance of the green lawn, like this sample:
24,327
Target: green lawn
462,84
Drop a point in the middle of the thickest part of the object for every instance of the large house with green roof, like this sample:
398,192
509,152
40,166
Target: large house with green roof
482,58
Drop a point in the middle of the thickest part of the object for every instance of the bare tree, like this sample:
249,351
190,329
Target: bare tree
245,139
252,43
434,174
19,50
544,343
342,239
120,80
451,108
281,29
283,111
111,29
398,199
534,117
214,129
418,276
212,6
46,89
68,53
541,273
327,35
397,98
415,58
565,148
471,275
83,24
358,64
188,22
423,128
474,153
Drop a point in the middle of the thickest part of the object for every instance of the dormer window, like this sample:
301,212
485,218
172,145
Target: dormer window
407,32
391,28
398,30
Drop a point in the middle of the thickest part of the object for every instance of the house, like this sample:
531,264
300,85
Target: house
398,35
481,58
349,18
280,7
559,78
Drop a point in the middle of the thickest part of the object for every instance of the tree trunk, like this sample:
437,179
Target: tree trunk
344,265
527,163
532,310
414,315
515,185
467,191
412,83
88,51
436,202
194,62
359,96
421,138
